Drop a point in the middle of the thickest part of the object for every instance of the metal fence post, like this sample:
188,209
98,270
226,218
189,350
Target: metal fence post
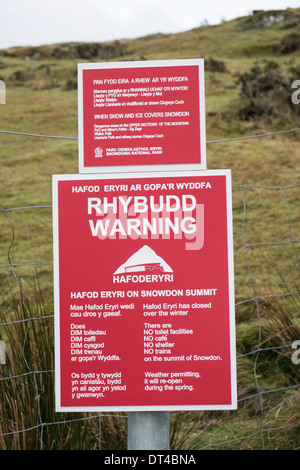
148,430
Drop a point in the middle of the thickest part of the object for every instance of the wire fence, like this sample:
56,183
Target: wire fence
267,265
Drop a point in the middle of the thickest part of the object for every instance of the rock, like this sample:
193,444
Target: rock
266,19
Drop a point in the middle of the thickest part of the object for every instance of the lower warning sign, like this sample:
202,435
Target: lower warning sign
144,291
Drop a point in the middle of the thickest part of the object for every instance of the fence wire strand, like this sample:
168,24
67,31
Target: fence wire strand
267,134
241,299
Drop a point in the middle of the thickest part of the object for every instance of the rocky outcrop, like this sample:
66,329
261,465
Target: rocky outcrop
266,19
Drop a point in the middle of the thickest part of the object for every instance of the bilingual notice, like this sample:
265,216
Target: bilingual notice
144,301
141,113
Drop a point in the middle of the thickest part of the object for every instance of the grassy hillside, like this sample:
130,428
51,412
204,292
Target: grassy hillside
250,64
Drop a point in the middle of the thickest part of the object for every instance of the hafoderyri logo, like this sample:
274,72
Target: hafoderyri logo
144,266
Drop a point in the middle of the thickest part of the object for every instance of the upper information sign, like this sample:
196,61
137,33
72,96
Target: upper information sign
142,115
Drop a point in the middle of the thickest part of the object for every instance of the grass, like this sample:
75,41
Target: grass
42,98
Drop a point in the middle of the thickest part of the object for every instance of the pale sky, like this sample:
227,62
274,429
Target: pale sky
38,22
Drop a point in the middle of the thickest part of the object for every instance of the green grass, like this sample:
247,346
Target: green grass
40,103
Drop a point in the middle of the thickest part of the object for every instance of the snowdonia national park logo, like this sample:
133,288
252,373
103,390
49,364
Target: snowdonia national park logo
98,152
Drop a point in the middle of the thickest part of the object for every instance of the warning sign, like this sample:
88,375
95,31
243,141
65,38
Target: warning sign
144,295
141,114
